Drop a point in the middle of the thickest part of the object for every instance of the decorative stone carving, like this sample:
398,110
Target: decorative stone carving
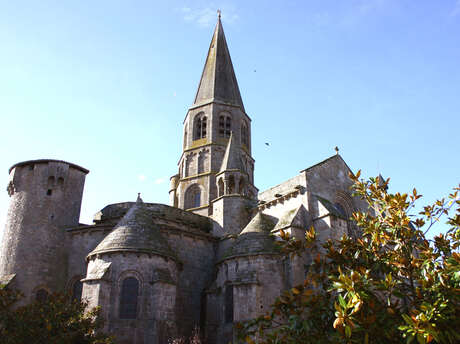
11,189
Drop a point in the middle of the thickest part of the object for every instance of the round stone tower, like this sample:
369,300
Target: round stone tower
46,198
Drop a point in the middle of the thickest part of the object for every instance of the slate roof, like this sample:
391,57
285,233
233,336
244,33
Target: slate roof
255,238
218,80
136,232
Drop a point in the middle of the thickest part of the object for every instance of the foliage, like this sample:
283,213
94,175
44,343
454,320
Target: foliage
59,320
194,338
390,285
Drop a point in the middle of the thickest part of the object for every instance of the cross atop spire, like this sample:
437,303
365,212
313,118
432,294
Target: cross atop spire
218,81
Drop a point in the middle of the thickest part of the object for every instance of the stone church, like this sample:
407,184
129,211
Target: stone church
208,259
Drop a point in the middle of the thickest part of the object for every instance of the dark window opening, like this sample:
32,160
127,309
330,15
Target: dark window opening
197,200
193,197
225,126
49,192
60,181
77,289
41,295
231,185
220,187
31,167
200,127
229,304
128,298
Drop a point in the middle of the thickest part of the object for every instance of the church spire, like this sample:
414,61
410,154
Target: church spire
218,82
232,157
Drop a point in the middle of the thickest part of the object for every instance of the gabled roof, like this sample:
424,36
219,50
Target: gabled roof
232,156
331,208
335,156
218,80
297,217
136,232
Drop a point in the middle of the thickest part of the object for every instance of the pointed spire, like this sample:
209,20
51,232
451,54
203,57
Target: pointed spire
218,81
232,157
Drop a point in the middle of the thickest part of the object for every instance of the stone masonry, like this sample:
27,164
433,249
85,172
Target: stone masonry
207,260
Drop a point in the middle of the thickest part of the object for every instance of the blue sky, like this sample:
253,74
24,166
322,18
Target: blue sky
106,85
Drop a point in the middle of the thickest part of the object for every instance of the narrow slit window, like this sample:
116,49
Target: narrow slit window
244,134
229,304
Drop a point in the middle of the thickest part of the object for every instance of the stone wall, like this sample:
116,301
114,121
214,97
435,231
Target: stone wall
155,322
45,199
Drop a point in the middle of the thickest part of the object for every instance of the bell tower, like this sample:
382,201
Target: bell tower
216,118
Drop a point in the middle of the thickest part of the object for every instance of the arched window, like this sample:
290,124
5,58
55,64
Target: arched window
244,134
77,289
200,127
220,187
41,295
242,187
225,125
185,139
231,185
229,303
193,197
128,298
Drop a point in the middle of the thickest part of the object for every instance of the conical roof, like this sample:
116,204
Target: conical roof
135,232
218,80
232,156
255,238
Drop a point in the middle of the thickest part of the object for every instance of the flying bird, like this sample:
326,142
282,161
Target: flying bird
267,144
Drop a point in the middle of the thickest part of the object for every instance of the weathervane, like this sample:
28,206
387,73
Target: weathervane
218,13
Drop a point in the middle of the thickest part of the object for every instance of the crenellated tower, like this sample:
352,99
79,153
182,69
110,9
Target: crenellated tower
216,129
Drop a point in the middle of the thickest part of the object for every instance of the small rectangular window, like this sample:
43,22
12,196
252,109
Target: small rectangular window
49,192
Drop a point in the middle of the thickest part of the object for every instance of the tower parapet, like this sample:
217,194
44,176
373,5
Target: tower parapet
46,198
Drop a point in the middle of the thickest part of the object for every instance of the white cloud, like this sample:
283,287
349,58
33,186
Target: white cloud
207,16
160,180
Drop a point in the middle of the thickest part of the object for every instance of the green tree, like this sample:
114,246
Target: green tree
58,320
391,285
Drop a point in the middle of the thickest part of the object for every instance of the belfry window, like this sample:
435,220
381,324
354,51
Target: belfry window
225,126
128,298
200,127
